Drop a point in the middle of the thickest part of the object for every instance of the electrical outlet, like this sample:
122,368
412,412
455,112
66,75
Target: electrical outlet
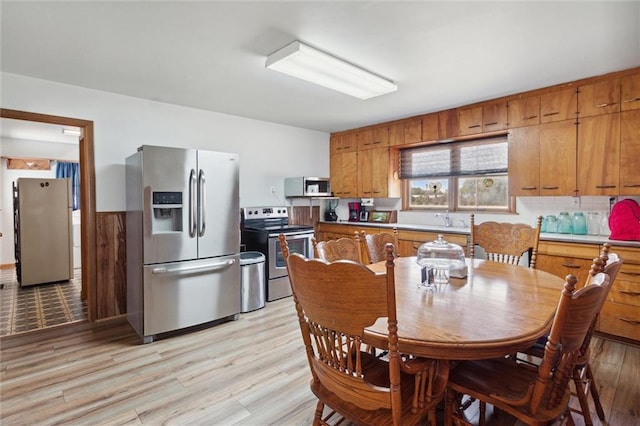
273,190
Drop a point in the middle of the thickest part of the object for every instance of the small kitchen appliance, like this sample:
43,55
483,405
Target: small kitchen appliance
354,211
330,214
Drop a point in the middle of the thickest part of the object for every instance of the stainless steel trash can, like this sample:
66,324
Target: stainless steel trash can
252,279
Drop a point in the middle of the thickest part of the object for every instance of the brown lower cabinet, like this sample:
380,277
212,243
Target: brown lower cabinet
620,316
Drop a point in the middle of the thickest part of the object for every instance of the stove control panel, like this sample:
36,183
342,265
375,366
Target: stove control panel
265,212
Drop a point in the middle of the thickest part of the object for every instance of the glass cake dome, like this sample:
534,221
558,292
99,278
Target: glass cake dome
440,256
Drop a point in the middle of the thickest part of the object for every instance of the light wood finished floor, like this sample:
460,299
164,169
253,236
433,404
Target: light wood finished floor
248,372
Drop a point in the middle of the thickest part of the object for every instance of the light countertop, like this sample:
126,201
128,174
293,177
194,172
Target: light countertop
570,238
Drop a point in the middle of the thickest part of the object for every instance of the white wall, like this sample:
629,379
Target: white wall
268,152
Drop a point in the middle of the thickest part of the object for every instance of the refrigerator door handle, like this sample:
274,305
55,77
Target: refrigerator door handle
192,269
201,203
192,208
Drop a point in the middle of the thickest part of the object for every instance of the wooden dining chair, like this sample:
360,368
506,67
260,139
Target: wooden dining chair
582,375
374,244
506,242
361,388
533,395
340,249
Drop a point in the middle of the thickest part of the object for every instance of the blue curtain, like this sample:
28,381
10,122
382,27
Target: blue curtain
71,171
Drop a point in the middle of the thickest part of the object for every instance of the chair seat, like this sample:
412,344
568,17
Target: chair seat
376,371
488,377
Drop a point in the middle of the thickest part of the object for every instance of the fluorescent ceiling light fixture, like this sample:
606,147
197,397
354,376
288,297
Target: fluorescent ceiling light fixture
71,132
304,62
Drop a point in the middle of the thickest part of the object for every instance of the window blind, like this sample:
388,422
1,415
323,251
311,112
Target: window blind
477,157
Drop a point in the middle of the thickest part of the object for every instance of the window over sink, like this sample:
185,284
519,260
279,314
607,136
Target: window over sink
457,176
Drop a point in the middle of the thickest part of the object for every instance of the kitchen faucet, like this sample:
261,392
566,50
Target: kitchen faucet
445,218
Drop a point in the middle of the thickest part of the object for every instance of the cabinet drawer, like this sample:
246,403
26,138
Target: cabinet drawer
411,240
629,255
562,266
584,251
625,292
620,320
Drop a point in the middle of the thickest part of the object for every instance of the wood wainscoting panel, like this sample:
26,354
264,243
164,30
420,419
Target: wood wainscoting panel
303,215
111,292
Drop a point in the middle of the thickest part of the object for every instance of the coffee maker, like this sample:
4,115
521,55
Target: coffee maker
354,211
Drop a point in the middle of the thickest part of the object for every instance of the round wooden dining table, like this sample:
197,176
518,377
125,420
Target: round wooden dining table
498,309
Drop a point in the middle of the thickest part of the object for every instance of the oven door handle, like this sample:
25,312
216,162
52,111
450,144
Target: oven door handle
294,234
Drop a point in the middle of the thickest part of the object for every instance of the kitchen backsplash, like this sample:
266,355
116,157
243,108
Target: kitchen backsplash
528,208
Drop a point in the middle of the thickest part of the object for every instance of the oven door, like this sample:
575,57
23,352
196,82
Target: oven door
298,242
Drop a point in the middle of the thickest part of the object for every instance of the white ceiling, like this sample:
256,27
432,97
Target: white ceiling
33,131
211,55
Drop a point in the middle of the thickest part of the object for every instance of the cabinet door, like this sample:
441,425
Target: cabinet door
344,174
365,171
413,130
630,92
470,121
396,134
524,161
599,98
558,106
561,259
524,112
380,173
349,142
558,158
430,127
374,137
335,144
494,117
629,149
598,155
448,124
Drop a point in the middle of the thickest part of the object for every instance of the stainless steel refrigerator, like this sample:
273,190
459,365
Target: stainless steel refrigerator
183,239
43,239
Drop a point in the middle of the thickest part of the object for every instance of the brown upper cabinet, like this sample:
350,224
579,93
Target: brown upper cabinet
558,158
494,117
448,124
524,111
343,169
376,177
558,105
470,121
413,130
343,142
629,149
372,137
599,155
489,117
524,161
630,92
430,128
599,98
396,134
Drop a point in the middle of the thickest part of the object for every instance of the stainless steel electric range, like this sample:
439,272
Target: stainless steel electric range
261,227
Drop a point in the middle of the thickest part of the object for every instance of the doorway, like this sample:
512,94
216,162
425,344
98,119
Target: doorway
87,197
